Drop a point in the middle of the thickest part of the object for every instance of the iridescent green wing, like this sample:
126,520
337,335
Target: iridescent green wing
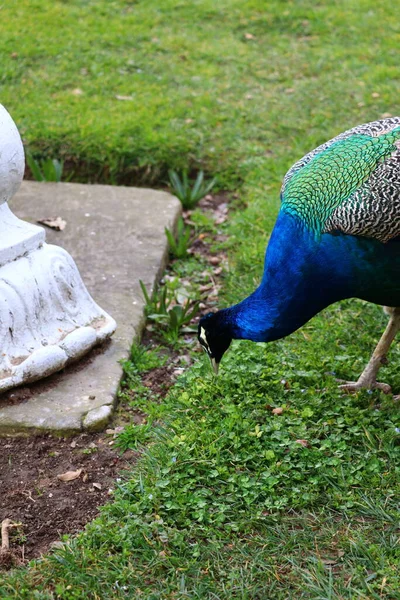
350,184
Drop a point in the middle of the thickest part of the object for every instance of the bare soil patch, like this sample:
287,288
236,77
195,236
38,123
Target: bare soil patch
32,494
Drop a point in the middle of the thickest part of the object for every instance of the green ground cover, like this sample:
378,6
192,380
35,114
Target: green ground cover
228,500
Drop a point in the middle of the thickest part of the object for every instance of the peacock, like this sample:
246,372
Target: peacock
337,236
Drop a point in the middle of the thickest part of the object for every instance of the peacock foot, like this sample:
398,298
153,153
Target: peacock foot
356,386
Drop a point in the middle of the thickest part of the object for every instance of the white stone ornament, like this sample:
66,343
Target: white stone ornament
47,317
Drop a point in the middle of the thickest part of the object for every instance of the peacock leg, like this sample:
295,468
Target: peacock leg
367,378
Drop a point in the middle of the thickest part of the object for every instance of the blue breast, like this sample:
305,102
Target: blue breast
304,274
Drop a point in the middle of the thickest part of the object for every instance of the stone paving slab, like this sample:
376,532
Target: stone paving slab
116,236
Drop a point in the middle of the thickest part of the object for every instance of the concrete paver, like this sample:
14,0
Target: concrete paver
116,236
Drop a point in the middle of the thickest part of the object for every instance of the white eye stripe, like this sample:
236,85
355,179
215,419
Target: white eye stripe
203,340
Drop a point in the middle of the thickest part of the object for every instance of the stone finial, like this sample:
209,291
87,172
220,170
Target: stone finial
47,317
12,160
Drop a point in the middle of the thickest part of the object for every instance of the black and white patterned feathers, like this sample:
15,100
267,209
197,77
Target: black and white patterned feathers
351,183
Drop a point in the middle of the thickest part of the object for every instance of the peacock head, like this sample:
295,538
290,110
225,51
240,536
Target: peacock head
214,337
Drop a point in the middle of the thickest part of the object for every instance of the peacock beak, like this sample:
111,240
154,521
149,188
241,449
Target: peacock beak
215,365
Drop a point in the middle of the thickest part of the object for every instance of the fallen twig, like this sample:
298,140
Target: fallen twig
6,556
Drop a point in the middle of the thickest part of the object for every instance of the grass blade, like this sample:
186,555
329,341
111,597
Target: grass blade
34,167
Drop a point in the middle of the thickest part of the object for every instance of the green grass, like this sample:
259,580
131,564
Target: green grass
225,503
200,92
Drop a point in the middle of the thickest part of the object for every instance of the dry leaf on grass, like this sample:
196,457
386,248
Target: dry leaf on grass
114,431
303,443
69,475
329,561
221,214
56,223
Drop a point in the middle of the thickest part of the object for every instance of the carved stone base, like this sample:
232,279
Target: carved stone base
47,317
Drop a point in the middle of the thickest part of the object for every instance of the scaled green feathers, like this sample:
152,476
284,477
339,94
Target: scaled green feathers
318,188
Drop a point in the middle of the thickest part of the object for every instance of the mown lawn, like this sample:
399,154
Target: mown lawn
229,500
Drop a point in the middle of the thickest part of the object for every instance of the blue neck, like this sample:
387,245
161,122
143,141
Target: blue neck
302,275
